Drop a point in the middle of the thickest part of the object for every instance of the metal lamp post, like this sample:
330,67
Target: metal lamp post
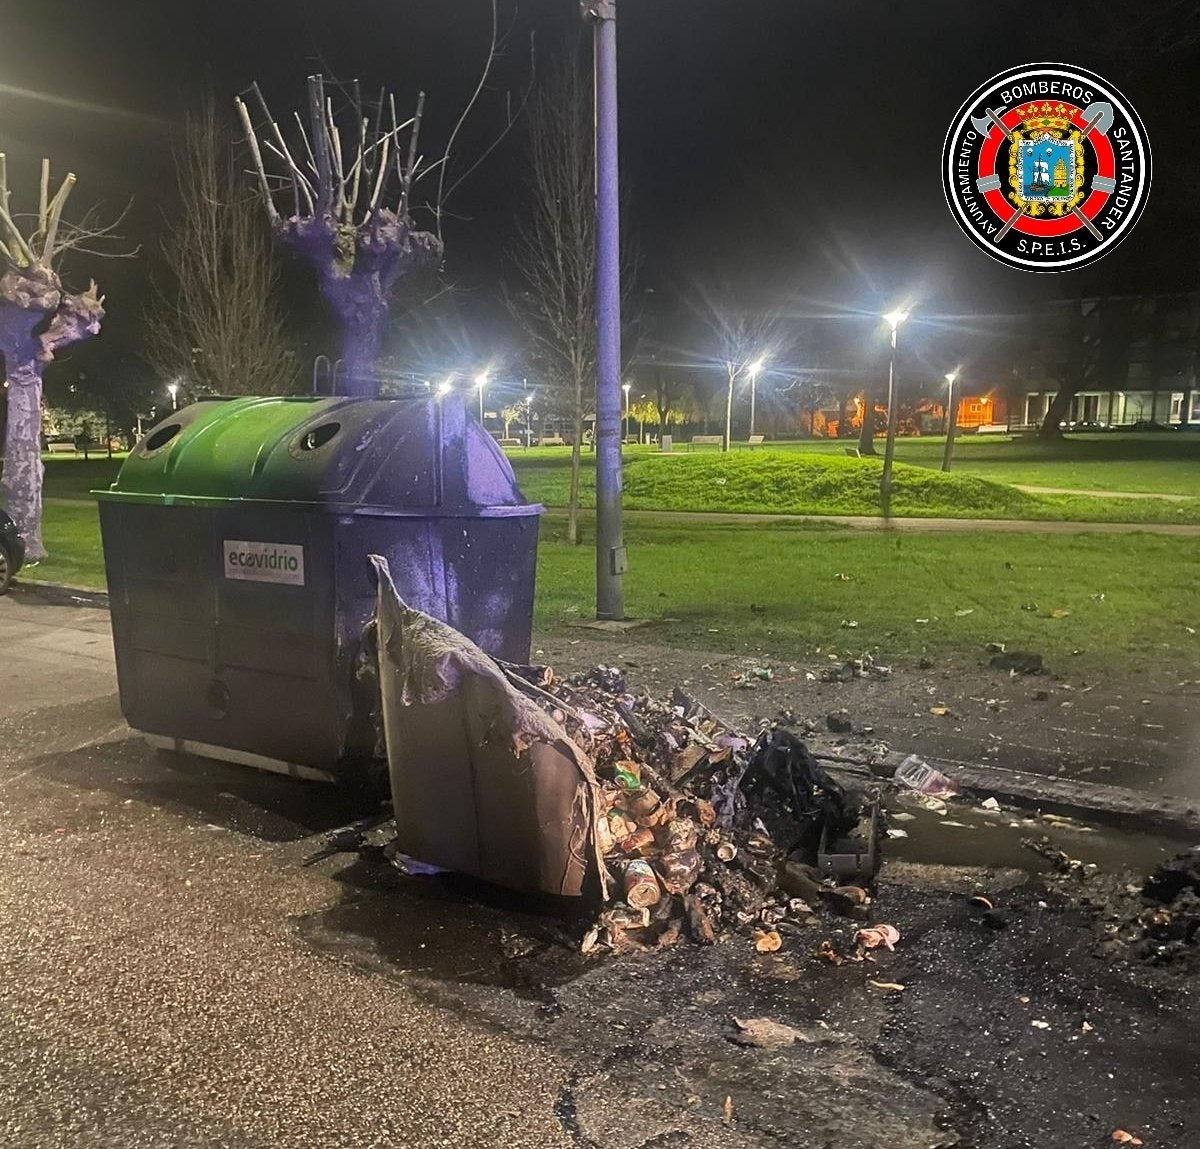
893,319
611,560
481,381
951,419
173,391
754,369
625,423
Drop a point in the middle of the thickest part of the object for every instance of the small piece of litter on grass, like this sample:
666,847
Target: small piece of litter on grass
1124,1137
1059,613
728,1109
764,1033
894,833
850,623
938,711
1040,1024
921,621
903,816
1088,1027
990,804
964,613
767,941
892,985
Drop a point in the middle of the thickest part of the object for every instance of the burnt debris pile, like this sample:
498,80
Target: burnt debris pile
703,831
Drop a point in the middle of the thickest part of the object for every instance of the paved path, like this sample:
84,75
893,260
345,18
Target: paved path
878,523
1104,494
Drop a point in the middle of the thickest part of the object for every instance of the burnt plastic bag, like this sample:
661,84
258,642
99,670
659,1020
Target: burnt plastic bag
483,781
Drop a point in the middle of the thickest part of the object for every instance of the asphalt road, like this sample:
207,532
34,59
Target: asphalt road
172,975
154,990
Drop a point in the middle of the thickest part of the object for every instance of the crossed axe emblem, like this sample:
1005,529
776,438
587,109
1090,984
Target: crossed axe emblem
1099,117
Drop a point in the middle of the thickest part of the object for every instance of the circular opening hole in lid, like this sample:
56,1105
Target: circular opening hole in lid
318,436
162,436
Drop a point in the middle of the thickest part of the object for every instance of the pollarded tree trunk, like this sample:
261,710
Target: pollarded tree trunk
23,452
357,269
36,318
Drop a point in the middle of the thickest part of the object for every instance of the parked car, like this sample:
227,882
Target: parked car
12,550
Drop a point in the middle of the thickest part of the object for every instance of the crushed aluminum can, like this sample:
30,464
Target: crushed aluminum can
641,885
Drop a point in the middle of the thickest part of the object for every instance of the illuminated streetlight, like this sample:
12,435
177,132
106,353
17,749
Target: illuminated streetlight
625,430
893,319
754,369
173,391
481,381
951,419
444,388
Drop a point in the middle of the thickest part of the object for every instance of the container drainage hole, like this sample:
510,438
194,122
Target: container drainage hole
162,436
319,436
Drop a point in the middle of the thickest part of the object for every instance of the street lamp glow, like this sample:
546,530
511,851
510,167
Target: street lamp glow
754,369
173,391
951,418
444,388
893,319
481,381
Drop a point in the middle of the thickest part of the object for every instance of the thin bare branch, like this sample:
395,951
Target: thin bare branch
256,156
54,216
462,119
320,140
407,174
510,121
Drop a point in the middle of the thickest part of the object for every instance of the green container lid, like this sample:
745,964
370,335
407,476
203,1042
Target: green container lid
389,456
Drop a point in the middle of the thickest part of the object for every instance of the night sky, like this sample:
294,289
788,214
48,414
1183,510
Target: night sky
788,150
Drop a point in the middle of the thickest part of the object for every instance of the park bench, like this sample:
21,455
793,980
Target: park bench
853,452
552,441
992,429
705,441
755,441
510,442
60,448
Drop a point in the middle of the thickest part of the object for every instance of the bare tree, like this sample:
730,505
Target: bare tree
348,183
555,255
38,317
217,324
743,340
349,213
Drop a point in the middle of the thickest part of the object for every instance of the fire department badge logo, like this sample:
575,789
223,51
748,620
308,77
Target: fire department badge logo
1046,168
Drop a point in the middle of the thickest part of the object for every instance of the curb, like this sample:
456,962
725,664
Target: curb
1088,801
60,594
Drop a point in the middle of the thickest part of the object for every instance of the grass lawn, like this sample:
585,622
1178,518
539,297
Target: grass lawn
709,576
816,483
77,478
1163,463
